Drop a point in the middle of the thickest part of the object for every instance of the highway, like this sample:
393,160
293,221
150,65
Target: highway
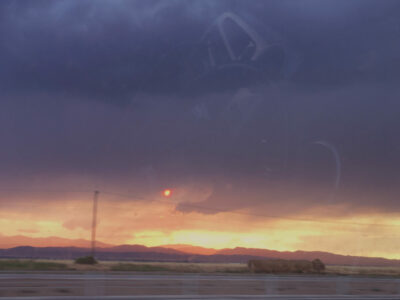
208,297
192,286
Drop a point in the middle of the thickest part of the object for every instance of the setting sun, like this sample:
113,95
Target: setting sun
167,193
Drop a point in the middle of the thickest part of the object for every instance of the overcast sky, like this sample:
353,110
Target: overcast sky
100,95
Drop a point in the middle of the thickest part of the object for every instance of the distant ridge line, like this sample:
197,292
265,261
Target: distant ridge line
163,254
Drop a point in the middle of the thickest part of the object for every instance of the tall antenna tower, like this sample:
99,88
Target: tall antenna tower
94,222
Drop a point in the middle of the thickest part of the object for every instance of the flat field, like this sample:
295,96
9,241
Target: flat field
172,267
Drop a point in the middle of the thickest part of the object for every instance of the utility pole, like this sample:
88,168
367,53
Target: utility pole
94,221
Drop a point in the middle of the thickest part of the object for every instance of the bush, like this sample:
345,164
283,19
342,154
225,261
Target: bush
285,266
86,260
139,267
318,265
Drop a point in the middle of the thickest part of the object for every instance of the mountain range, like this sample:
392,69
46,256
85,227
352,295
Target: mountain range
60,248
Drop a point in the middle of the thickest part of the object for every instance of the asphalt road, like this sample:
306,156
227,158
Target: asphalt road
193,286
209,297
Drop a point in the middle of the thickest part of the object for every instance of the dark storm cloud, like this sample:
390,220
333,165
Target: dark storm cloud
270,159
92,90
359,124
104,48
112,49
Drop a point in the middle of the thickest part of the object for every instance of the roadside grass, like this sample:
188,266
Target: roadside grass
31,265
180,267
363,271
130,267
173,267
241,268
120,266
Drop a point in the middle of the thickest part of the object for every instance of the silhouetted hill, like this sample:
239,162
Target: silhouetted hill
326,257
140,248
61,248
142,253
51,241
101,253
192,249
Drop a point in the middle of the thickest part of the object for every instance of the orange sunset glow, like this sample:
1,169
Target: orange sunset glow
156,223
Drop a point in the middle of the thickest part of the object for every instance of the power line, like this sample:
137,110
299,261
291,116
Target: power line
94,221
39,190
